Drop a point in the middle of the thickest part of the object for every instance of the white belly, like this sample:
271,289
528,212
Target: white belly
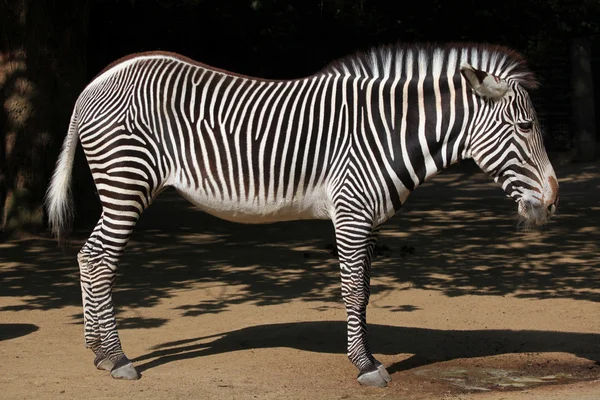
315,205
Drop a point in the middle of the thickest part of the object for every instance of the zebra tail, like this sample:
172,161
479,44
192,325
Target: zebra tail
58,199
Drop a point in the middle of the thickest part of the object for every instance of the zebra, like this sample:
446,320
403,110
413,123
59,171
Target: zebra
348,143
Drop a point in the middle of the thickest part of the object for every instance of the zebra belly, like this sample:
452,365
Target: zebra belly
315,205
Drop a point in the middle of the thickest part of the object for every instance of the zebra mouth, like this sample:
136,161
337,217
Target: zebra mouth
534,213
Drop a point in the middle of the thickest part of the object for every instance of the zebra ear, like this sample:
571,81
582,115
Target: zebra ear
484,84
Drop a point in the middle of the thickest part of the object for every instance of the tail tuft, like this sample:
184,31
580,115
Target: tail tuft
58,201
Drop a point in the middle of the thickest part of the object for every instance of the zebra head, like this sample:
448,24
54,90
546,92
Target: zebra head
506,142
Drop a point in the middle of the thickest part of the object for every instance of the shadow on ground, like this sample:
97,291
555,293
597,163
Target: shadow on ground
427,345
456,235
12,331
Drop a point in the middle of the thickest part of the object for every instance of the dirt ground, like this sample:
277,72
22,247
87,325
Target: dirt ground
463,305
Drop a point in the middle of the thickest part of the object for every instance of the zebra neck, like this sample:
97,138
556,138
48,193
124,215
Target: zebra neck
422,124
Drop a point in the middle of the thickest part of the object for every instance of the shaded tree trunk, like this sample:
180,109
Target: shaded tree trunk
42,70
582,100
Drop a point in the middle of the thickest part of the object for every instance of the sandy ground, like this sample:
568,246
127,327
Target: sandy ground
463,306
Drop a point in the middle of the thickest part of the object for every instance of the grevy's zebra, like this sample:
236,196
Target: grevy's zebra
347,144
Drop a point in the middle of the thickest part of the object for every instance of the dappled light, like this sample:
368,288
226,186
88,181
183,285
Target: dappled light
456,235
469,297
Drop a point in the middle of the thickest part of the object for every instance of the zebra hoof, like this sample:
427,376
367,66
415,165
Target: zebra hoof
102,362
124,369
383,372
372,378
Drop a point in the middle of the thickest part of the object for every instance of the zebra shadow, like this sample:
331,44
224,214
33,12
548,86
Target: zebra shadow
428,346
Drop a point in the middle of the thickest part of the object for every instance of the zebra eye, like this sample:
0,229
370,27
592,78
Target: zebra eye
525,126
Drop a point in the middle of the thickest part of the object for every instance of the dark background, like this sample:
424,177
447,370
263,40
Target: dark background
50,49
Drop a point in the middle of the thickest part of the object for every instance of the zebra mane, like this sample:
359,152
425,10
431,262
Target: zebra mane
391,61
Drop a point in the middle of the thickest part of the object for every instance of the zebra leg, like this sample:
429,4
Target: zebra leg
372,243
356,242
90,316
108,245
126,188
98,262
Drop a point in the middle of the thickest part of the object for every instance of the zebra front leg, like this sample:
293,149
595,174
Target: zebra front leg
356,242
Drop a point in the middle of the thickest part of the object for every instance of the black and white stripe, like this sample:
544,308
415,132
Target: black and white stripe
348,144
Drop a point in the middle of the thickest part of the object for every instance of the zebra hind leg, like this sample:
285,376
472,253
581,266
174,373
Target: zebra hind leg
90,316
355,253
123,175
91,329
98,260
113,236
